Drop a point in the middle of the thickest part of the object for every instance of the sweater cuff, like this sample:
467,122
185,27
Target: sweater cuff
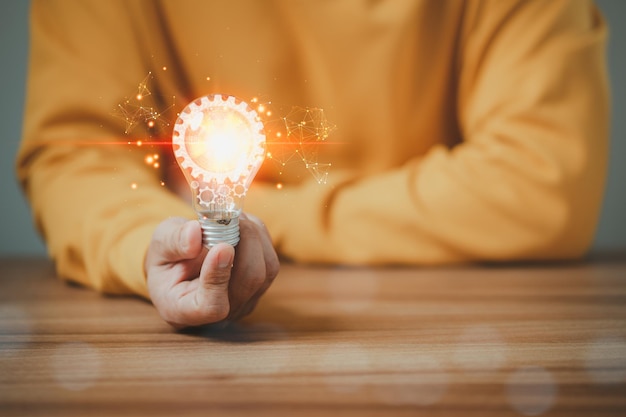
297,216
127,259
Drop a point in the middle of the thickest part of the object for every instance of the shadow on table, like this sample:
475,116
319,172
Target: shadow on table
269,322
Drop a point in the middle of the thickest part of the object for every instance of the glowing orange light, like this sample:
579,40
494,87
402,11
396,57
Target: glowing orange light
261,108
133,186
223,142
279,186
149,159
164,68
156,165
162,183
219,144
139,96
278,134
269,112
139,143
151,123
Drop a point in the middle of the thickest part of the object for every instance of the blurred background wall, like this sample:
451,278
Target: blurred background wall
17,236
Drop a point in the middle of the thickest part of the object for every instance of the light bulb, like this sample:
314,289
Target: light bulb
219,144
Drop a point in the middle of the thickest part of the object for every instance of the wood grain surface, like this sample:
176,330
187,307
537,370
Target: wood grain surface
517,340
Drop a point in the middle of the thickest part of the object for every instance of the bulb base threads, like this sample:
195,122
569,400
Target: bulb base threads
216,231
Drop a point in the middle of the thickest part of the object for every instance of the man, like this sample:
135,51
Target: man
467,131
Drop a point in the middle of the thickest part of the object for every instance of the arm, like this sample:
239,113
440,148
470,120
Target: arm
527,181
74,162
77,169
99,206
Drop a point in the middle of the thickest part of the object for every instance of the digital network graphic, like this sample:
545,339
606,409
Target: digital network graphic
293,136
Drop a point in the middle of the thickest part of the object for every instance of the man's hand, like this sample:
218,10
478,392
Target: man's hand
191,286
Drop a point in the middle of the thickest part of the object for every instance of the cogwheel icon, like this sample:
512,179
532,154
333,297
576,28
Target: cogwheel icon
239,190
205,196
189,127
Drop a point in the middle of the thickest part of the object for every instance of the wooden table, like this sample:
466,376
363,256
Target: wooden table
462,341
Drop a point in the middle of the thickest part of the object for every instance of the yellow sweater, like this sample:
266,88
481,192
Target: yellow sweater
466,130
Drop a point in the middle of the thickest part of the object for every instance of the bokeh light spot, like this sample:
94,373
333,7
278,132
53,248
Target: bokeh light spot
480,350
531,390
76,365
605,360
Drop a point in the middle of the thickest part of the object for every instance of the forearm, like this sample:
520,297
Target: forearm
525,183
442,209
97,227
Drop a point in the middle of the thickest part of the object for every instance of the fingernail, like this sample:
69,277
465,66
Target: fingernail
225,259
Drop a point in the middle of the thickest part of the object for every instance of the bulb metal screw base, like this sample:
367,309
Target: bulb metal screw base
216,231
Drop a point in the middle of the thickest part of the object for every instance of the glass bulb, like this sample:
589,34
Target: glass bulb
219,144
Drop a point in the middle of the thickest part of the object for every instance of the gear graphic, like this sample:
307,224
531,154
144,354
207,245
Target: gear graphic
189,123
202,194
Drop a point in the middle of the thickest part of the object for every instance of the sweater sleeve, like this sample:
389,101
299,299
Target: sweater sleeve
525,183
94,199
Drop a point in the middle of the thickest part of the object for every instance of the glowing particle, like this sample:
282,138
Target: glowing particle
139,96
149,159
162,183
279,186
268,113
133,186
164,68
151,123
156,165
261,108
278,134
268,155
155,156
254,100
139,143
208,78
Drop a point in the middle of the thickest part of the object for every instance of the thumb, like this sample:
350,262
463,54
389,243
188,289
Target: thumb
176,239
212,294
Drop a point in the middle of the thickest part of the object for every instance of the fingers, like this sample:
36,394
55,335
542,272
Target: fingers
174,256
176,239
272,264
190,286
211,303
255,268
